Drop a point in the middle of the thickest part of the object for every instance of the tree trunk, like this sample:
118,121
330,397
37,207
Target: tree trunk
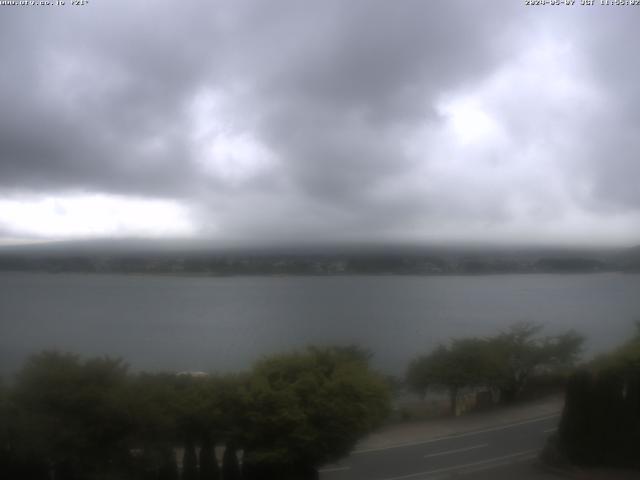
209,469
453,400
189,462
230,467
168,467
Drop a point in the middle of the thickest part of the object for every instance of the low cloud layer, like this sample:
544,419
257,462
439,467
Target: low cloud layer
290,121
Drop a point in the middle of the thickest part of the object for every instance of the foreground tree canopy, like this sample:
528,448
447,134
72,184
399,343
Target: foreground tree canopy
68,418
600,424
504,362
310,408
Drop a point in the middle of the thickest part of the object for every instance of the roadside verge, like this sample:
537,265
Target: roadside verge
409,433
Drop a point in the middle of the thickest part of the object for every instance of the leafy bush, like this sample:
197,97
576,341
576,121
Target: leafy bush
92,420
306,409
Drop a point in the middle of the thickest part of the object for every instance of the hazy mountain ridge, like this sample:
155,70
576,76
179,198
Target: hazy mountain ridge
174,258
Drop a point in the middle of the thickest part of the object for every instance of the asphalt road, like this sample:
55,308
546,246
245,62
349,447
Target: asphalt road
506,451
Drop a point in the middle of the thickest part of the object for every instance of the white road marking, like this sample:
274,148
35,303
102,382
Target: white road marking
457,450
455,435
497,464
333,469
524,456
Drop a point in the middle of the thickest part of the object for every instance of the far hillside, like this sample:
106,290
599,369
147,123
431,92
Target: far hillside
159,258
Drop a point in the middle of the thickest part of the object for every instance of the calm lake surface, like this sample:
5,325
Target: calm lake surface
223,324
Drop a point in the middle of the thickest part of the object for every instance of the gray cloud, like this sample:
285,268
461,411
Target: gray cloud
293,121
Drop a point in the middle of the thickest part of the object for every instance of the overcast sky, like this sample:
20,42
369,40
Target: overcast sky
260,122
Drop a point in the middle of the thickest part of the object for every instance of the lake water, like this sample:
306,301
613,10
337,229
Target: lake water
224,324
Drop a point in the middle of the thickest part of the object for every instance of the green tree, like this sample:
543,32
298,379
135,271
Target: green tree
505,361
72,413
155,411
624,359
222,411
420,376
600,423
306,409
463,363
521,351
173,410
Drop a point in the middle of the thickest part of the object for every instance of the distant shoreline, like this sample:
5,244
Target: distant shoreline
311,275
293,264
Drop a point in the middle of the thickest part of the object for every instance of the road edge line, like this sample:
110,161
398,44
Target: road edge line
455,435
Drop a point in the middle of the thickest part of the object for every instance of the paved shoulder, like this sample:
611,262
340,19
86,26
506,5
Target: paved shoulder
412,432
501,440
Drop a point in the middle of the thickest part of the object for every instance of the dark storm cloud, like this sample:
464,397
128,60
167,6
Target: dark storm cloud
83,91
327,120
616,159
343,103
